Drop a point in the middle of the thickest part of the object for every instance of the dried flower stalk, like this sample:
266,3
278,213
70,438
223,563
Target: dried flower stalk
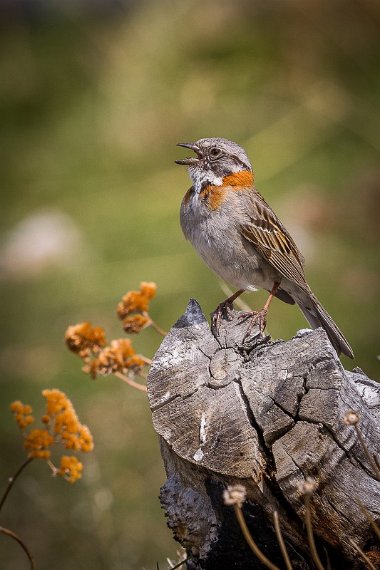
235,496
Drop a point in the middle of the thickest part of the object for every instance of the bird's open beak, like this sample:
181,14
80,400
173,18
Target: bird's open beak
193,160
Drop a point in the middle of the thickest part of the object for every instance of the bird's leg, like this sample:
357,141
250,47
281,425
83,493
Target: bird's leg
259,317
223,310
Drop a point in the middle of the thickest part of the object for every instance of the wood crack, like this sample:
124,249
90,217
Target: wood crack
264,416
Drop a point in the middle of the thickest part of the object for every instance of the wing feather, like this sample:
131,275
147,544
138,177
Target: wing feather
271,239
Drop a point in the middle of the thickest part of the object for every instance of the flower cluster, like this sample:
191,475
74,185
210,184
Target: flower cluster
70,468
64,423
61,426
84,339
102,358
134,306
119,356
37,443
22,413
133,324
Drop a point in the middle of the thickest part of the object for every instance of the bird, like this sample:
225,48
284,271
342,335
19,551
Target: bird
242,240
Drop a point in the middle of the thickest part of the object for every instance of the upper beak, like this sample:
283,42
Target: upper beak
192,160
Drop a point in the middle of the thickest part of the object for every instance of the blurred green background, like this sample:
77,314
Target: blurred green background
93,98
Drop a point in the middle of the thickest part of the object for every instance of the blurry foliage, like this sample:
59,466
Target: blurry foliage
91,105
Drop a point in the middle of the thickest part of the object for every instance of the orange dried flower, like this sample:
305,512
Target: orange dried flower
137,301
132,302
17,407
85,439
22,413
61,426
70,468
136,363
56,401
37,443
120,356
148,289
60,413
84,339
136,323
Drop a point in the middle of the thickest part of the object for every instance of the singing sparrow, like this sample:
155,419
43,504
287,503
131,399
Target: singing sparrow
240,237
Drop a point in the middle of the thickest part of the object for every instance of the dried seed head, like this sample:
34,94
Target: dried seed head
70,469
136,301
136,323
308,486
84,339
119,356
351,418
234,495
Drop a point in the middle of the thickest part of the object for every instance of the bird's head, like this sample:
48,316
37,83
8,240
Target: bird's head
215,159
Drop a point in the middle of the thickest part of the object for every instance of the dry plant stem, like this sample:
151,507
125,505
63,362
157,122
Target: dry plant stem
328,563
281,542
12,480
370,519
52,467
157,328
146,360
10,533
370,458
130,382
362,555
310,535
252,544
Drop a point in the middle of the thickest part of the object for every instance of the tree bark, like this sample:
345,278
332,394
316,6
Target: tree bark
264,414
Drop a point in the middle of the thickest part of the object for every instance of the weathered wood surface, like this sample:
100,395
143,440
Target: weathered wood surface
266,415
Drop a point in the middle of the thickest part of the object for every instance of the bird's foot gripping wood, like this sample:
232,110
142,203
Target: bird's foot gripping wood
258,318
222,311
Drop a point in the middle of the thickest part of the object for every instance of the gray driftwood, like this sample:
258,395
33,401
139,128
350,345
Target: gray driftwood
265,415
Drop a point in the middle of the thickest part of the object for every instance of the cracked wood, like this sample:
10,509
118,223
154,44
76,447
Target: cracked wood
267,415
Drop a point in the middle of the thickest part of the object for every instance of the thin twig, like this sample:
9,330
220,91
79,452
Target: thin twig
370,458
130,382
281,541
10,533
310,535
12,480
361,554
252,544
369,517
157,328
145,359
53,468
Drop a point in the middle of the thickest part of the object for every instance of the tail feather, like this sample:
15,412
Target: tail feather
319,317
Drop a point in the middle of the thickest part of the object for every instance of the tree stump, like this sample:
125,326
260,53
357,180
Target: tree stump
267,415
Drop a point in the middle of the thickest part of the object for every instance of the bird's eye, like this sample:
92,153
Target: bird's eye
215,152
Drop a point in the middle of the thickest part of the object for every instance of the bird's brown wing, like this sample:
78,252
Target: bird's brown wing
271,239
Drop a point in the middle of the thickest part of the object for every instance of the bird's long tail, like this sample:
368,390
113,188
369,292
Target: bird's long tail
319,317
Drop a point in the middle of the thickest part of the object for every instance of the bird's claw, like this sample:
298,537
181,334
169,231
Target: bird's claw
223,310
257,318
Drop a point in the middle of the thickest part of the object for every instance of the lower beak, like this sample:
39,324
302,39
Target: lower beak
192,160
